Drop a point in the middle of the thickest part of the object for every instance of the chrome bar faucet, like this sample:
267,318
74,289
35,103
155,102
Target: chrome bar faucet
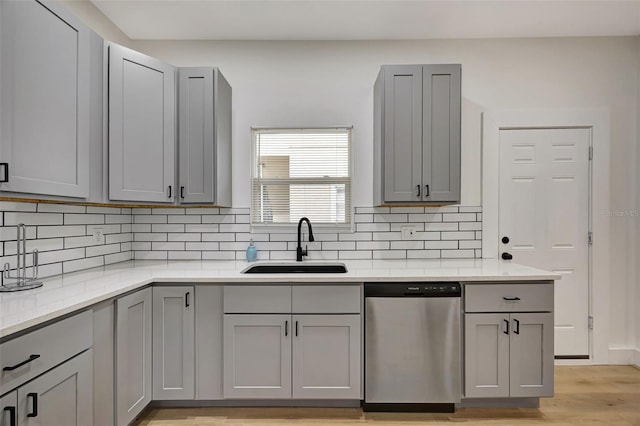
299,252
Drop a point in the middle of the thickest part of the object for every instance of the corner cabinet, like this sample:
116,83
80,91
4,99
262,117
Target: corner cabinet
44,99
204,139
142,116
417,134
508,340
133,355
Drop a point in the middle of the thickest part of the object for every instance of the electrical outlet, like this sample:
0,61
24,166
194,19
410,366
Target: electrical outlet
98,236
409,232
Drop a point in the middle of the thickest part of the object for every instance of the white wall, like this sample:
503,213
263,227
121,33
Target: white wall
329,83
91,15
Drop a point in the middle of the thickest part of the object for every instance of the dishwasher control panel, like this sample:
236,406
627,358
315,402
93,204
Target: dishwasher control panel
413,289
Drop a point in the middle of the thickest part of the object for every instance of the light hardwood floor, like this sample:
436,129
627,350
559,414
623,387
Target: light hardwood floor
594,395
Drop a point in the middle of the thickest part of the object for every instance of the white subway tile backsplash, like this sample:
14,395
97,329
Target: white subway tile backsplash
210,218
141,246
166,246
423,254
9,233
471,244
407,245
105,229
60,231
149,236
470,226
359,254
244,227
225,246
117,218
47,244
387,236
15,218
202,246
218,237
218,255
372,245
183,219
389,254
11,206
201,228
61,208
459,217
148,218
174,227
187,236
444,226
372,227
458,254
150,255
83,219
458,235
391,217
339,245
118,257
117,238
167,211
363,218
77,265
425,217
356,236
185,255
141,227
106,210
102,250
431,245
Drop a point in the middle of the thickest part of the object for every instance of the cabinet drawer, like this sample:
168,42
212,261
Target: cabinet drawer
508,297
326,299
257,299
53,344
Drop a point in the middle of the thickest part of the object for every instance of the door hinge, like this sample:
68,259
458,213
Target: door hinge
590,322
590,238
590,153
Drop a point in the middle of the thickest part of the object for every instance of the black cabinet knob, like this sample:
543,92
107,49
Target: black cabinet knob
507,256
505,240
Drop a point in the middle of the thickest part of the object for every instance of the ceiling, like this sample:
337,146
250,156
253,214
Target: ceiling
369,20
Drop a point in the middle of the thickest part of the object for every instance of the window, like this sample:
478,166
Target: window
301,172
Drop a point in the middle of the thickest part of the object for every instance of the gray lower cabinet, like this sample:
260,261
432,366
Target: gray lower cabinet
141,127
62,396
44,99
9,409
257,356
508,355
209,353
204,139
173,343
133,355
417,134
326,357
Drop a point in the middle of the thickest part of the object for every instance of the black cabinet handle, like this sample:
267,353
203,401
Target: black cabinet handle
506,325
186,300
182,192
418,186
507,256
34,404
26,361
427,192
516,329
286,328
511,299
296,328
5,175
12,415
505,240
169,195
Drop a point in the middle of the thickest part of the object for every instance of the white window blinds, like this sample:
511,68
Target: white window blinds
301,172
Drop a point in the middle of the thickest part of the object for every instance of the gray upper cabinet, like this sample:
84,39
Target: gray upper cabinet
44,99
141,127
204,108
417,134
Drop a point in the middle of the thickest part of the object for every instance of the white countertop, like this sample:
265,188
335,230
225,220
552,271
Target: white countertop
67,293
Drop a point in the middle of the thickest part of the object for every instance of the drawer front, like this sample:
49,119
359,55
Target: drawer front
326,299
257,299
508,297
47,346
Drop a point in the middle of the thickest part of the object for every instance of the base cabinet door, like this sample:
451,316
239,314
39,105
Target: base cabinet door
9,409
133,355
44,99
486,355
173,343
257,356
531,355
63,396
326,356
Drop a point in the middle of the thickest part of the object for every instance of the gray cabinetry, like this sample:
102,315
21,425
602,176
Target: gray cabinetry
62,396
209,352
508,353
417,134
133,355
44,99
9,409
204,140
173,343
141,127
303,342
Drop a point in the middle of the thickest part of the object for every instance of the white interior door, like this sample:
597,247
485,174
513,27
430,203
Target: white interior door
544,213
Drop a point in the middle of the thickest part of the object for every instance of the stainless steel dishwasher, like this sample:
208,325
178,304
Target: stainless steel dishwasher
413,359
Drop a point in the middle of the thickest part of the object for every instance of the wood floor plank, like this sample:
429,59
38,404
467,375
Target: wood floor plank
584,396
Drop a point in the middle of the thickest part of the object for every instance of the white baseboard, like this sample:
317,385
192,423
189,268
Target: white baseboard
636,361
623,356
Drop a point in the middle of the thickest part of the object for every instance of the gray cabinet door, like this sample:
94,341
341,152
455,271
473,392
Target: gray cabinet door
133,355
9,409
141,127
441,133
257,356
204,107
402,133
326,356
531,355
486,355
63,396
173,343
44,99
209,319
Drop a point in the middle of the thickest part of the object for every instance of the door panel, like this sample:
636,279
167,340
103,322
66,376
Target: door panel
403,133
9,409
257,356
544,210
326,356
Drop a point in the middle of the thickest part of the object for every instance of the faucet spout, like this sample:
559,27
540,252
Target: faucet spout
299,252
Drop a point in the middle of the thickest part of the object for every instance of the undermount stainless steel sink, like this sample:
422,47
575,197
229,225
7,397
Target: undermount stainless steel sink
296,268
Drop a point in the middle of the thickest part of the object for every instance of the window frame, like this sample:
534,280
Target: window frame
291,227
